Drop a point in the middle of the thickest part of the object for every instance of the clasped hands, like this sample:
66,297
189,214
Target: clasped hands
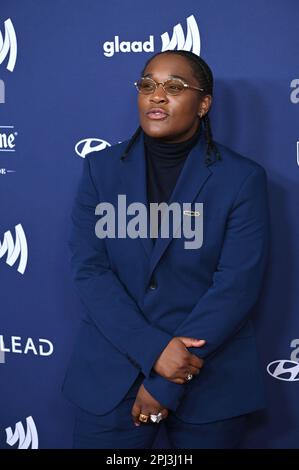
175,363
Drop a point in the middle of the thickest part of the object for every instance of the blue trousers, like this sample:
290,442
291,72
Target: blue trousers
116,430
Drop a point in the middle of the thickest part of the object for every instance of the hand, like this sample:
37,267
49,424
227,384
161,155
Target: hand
146,404
176,362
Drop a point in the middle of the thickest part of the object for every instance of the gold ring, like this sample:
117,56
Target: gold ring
143,418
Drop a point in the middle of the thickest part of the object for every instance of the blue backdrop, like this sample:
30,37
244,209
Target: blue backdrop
65,88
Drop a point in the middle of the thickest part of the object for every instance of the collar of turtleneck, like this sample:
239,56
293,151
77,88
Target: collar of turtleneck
169,154
164,162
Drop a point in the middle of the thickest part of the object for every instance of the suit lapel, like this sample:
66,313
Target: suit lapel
190,182
133,183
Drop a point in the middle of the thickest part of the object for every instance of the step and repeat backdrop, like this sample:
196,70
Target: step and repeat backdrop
67,69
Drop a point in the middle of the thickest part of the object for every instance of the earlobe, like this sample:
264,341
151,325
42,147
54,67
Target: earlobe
205,105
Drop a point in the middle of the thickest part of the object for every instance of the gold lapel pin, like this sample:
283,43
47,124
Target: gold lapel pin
191,213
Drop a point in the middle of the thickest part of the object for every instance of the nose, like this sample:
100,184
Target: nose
159,95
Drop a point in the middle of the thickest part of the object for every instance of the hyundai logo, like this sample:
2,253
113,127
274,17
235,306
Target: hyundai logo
284,369
86,146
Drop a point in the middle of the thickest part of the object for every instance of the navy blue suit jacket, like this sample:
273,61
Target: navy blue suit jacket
137,296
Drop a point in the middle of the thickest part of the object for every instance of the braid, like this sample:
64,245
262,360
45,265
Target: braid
204,75
211,146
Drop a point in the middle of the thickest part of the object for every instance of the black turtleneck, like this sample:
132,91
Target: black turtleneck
164,162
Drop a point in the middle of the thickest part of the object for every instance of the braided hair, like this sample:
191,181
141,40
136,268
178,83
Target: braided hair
203,74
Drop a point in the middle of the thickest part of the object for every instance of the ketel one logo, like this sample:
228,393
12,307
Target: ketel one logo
15,249
8,139
8,45
86,146
178,41
284,369
26,439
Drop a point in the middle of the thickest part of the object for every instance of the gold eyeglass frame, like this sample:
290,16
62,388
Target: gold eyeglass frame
185,85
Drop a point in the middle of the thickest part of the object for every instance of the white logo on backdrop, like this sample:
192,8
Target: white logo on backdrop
286,369
298,153
178,41
19,345
25,439
15,250
7,139
8,45
86,146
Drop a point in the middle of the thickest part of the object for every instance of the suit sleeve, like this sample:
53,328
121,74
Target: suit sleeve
108,303
225,307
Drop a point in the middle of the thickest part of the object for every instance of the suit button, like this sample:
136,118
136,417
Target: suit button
153,284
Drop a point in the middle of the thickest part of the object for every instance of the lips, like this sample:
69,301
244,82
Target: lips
157,114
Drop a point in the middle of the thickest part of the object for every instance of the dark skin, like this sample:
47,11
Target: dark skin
180,123
174,363
183,110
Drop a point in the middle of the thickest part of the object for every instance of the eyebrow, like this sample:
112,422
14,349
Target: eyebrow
170,76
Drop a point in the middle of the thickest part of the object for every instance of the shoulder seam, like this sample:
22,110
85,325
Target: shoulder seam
244,182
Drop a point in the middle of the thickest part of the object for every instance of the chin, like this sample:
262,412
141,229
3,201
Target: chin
155,132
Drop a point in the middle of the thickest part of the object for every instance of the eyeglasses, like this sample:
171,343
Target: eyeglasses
173,86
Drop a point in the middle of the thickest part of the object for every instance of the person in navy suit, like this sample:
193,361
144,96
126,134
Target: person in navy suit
166,338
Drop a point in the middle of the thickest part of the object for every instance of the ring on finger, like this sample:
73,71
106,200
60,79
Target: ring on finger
143,418
156,418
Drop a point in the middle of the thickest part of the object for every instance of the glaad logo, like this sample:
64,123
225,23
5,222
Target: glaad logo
8,45
86,146
285,369
25,439
15,250
294,96
7,139
178,41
